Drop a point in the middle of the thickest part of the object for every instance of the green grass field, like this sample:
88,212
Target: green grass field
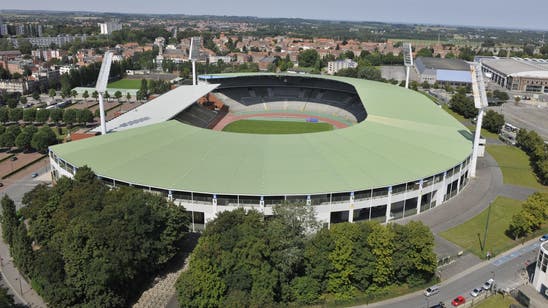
466,234
497,301
275,127
515,167
125,84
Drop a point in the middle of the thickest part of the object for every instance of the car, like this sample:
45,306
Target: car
488,284
438,305
543,238
1,184
459,300
13,158
476,291
431,291
34,175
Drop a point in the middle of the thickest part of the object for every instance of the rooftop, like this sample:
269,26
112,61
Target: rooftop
444,64
510,66
405,137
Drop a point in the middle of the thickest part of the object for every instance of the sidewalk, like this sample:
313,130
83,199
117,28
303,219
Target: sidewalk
18,285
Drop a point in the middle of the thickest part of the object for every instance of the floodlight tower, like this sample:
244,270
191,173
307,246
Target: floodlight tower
101,87
480,101
195,43
407,61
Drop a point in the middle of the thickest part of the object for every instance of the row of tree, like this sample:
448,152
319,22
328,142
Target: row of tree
533,214
85,245
54,115
537,150
27,139
245,260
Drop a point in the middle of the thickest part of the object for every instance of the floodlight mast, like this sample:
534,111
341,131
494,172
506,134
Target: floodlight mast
195,43
101,87
407,61
480,102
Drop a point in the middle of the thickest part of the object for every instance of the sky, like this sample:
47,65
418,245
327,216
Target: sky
529,14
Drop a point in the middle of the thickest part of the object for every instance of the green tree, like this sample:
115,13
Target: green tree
42,139
382,247
493,121
36,95
9,219
85,95
29,114
52,93
425,52
23,100
42,115
369,72
56,115
23,140
118,95
128,96
85,116
309,58
463,105
95,95
15,114
12,103
106,95
4,114
144,88
70,116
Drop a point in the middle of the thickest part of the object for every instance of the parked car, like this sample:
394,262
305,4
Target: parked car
34,175
543,238
438,305
488,284
476,291
13,158
459,300
1,184
432,290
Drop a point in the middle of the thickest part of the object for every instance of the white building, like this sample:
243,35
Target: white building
3,27
109,27
540,280
335,66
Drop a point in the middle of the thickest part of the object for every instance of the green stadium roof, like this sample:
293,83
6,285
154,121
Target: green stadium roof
405,137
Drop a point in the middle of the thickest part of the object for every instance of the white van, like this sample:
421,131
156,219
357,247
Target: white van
432,290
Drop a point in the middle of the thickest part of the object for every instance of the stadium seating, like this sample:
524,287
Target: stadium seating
197,115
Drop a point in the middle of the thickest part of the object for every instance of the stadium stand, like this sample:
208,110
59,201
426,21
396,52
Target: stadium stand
201,116
264,93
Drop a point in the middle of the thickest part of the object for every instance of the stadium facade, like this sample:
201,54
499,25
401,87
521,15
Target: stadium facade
400,156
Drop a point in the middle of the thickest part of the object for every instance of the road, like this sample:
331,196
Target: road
507,270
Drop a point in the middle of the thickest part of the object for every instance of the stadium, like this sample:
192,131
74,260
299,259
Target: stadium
389,152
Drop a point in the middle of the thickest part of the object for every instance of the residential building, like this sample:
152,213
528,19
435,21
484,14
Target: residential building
335,66
109,27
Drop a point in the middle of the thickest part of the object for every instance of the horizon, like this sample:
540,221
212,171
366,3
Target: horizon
470,14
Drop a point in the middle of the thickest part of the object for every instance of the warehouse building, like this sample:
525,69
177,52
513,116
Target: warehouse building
517,74
454,72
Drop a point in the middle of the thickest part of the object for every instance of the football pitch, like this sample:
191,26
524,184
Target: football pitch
125,84
276,127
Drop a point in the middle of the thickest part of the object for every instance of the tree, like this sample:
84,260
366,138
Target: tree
128,96
95,95
23,100
42,115
106,95
369,72
85,95
85,116
144,88
29,114
9,219
52,93
70,116
36,95
15,114
73,93
12,102
23,140
308,58
493,121
42,139
118,95
56,115
4,114
462,104
425,52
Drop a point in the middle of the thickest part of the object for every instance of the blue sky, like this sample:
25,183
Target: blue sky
530,14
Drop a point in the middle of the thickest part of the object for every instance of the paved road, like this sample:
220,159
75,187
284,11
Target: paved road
508,274
18,286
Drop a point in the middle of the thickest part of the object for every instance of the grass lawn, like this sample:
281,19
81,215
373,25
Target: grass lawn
497,301
466,234
515,167
275,127
125,84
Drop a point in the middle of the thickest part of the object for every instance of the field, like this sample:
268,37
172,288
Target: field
515,167
275,127
125,84
497,301
466,234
